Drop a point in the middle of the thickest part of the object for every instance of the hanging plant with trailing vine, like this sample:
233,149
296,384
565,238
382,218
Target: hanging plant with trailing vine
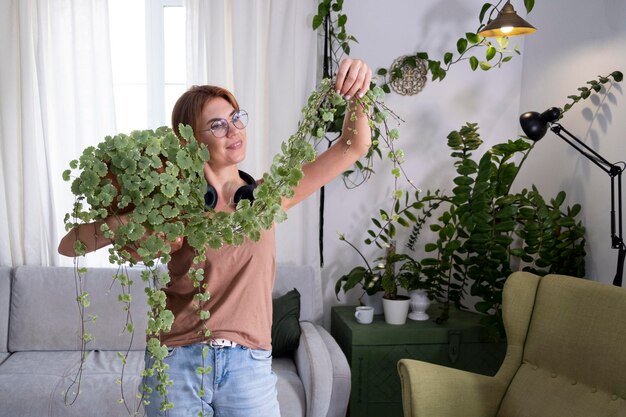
153,183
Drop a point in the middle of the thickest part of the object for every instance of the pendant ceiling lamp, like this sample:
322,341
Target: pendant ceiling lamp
507,23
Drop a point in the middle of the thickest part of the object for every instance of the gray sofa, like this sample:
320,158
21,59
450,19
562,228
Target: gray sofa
40,347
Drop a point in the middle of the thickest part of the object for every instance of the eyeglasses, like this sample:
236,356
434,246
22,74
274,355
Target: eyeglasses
219,127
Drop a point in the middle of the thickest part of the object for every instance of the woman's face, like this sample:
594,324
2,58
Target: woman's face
229,149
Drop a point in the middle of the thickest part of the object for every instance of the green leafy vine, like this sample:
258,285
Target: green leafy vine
595,86
467,47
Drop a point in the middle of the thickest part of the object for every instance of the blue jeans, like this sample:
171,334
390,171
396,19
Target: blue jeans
241,383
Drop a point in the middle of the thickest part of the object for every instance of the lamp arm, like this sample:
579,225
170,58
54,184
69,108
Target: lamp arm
582,147
617,241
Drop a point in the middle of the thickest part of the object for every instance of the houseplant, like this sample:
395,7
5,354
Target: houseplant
482,230
419,288
381,282
395,306
367,277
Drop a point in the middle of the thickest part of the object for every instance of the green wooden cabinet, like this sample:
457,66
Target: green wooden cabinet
373,351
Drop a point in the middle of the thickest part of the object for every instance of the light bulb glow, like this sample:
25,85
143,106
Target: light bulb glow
506,29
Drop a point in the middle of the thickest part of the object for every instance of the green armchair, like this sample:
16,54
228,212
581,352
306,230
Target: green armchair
566,357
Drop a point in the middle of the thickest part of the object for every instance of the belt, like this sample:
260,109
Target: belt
221,343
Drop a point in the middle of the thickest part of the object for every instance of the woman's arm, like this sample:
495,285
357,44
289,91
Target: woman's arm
353,79
90,235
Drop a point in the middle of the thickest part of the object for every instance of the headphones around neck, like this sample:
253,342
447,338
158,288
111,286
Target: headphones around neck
246,192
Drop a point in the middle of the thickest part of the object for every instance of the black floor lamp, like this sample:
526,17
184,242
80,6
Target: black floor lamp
535,125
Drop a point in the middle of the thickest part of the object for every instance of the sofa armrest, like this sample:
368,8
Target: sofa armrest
433,390
342,381
315,369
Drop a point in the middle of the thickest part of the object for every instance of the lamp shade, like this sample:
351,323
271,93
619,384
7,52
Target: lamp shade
535,125
507,23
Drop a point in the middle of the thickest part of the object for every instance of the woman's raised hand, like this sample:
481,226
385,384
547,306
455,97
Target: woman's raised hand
353,78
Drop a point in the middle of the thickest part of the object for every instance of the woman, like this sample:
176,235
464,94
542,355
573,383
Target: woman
239,278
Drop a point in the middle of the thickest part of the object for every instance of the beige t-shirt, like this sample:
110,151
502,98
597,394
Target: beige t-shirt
240,280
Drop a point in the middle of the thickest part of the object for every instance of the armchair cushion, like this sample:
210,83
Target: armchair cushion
435,390
574,360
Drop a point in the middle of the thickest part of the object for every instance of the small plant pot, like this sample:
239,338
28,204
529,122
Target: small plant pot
396,310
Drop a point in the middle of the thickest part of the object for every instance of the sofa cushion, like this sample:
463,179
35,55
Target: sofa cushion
5,298
46,376
44,312
285,323
44,334
574,362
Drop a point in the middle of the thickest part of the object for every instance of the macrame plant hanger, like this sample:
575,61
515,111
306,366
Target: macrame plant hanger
327,71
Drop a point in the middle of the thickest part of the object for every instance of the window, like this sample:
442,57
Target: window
148,59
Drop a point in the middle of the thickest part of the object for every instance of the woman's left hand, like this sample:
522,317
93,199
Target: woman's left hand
353,78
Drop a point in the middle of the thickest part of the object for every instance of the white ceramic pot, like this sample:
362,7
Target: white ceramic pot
375,301
396,310
419,304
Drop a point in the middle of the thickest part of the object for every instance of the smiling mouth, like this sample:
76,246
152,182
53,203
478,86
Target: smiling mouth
235,145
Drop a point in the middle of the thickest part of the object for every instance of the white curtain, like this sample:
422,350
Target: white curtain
56,98
265,52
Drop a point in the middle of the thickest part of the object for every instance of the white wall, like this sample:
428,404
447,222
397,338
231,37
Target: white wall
576,41
385,31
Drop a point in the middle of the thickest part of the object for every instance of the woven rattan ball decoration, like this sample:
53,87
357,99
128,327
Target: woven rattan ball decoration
413,77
